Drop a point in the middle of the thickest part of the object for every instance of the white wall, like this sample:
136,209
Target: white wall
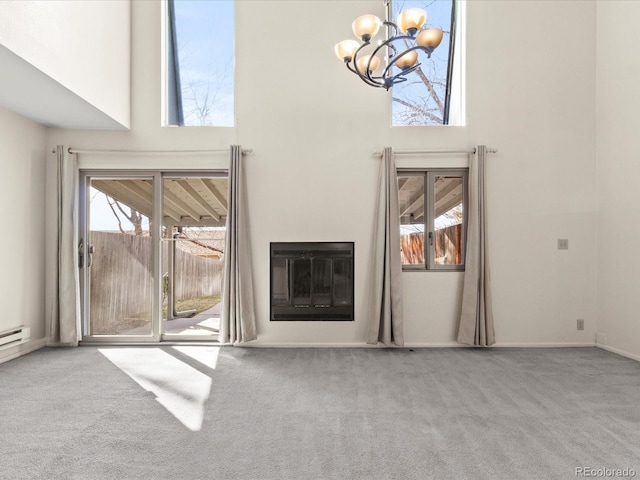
313,127
84,46
22,251
618,170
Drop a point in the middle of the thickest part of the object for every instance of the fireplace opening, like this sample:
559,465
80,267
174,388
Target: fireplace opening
312,281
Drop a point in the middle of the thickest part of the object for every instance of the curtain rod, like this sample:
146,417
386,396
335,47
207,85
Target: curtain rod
245,151
435,152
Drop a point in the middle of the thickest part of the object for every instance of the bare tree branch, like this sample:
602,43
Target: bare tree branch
133,216
417,109
200,244
110,201
432,92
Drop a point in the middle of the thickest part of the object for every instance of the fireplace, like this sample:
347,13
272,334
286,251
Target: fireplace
312,281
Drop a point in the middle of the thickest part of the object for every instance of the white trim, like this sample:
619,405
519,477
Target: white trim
617,351
28,347
500,345
545,345
258,344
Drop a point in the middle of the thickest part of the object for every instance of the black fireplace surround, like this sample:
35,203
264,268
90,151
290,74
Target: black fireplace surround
312,281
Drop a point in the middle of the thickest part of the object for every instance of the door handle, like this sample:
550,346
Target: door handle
81,254
430,238
90,252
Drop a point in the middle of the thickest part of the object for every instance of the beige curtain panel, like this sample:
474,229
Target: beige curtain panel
386,321
476,318
64,321
237,319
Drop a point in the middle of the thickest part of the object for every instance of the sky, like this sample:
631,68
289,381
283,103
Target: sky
205,31
103,219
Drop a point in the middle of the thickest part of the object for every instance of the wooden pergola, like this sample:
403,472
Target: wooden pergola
189,201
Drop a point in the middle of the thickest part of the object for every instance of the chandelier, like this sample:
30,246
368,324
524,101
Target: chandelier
400,49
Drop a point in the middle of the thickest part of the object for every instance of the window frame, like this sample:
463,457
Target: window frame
428,177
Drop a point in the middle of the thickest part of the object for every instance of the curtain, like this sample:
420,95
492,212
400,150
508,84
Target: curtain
386,323
237,319
174,88
476,317
64,323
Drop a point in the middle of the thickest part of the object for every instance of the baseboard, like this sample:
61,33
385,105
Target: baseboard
23,349
617,351
259,344
502,345
546,345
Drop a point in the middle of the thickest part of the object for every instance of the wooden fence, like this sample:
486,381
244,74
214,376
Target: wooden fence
197,276
448,246
121,280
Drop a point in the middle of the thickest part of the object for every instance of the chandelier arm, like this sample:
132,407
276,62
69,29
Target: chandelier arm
389,44
386,43
393,61
366,78
386,23
371,83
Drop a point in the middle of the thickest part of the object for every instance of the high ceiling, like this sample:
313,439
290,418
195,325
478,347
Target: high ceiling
188,201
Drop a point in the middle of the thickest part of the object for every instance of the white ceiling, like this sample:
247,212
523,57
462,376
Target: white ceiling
36,96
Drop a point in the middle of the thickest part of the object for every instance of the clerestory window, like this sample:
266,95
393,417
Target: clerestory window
433,93
200,63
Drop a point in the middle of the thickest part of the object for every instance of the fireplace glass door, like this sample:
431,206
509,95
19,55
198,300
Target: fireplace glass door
312,281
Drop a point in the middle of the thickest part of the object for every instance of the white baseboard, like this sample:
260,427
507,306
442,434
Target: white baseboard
258,344
23,349
617,351
502,345
546,345
304,345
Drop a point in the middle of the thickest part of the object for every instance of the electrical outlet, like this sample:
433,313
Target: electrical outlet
563,244
580,324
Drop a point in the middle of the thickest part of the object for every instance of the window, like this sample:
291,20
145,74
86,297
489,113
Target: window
432,94
432,218
200,63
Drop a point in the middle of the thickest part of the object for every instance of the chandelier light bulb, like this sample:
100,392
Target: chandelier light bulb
363,63
431,37
411,20
407,60
346,49
365,27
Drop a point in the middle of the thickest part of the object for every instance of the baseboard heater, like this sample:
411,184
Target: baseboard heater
15,336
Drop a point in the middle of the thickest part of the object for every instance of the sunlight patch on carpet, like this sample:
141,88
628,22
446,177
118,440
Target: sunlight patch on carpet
207,356
178,387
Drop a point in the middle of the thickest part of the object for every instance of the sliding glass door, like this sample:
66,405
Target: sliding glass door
195,214
146,280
